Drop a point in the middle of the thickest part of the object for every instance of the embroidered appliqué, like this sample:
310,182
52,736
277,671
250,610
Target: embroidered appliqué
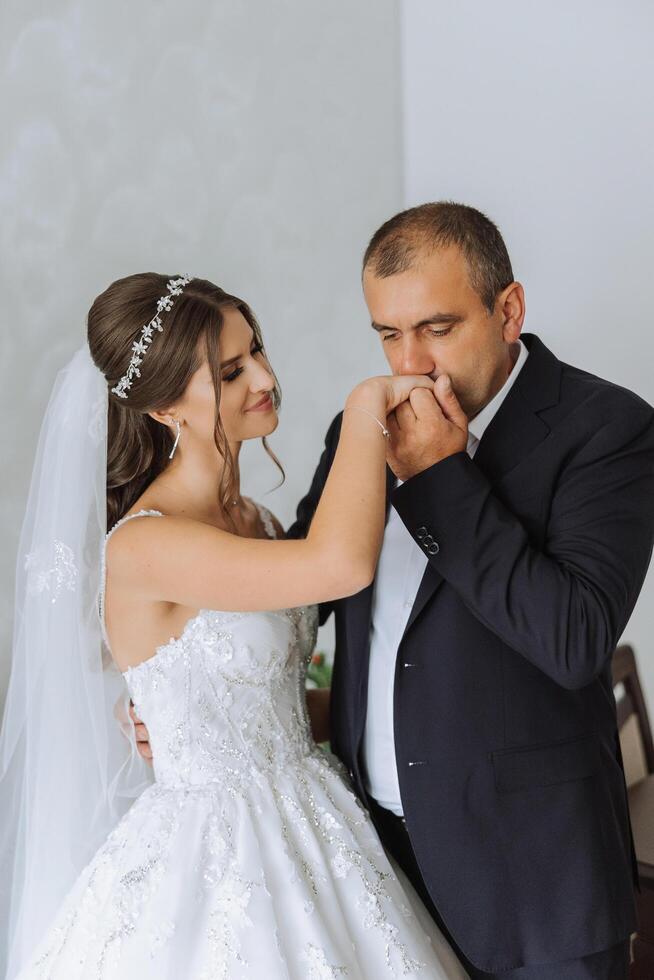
52,572
247,816
319,968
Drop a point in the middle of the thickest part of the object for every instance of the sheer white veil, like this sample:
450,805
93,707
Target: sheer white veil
68,763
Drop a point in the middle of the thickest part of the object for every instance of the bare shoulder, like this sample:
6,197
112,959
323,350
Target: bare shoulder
148,538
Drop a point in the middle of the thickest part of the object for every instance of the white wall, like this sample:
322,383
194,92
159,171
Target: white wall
252,143
540,115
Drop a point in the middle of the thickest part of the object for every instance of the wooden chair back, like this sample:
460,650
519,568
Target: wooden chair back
633,721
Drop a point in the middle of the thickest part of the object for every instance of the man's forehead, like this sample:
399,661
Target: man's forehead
427,290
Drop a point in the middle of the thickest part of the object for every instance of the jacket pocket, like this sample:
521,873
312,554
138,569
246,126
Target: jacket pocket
544,765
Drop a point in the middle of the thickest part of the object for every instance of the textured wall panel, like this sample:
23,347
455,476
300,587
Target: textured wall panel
255,144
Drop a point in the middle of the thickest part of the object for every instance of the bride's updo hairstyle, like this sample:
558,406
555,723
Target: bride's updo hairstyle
137,446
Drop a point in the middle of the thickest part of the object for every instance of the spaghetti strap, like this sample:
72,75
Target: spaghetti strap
103,571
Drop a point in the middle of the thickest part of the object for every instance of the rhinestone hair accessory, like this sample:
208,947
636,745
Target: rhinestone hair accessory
140,346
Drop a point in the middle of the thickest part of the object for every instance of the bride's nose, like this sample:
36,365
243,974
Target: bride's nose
261,379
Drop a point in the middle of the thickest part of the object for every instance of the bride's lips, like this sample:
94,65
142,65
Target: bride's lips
263,405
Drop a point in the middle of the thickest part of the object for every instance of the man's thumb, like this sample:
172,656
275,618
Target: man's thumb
443,385
448,401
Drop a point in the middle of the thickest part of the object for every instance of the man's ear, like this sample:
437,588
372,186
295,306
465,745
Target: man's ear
511,304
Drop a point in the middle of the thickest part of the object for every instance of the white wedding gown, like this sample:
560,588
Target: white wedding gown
250,856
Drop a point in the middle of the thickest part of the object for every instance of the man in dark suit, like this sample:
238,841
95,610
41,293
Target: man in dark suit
472,700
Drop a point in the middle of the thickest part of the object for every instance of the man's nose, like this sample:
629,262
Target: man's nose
415,359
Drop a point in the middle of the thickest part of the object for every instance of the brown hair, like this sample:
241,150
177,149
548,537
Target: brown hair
401,240
137,445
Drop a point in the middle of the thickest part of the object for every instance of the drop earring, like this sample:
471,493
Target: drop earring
172,451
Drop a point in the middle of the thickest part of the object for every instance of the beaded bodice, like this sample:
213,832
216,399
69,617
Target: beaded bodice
250,856
225,700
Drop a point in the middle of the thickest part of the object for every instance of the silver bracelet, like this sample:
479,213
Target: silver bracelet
381,425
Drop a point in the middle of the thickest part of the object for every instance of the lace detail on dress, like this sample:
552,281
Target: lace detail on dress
250,856
266,520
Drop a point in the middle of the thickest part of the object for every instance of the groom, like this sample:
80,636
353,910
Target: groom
471,699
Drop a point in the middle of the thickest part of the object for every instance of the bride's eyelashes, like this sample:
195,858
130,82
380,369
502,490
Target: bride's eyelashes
257,349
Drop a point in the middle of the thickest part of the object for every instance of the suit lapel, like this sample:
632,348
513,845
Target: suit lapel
518,428
426,590
512,434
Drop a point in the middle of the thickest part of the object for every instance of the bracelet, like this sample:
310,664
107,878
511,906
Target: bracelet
381,425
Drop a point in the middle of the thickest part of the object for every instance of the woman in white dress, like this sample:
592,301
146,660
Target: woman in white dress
246,855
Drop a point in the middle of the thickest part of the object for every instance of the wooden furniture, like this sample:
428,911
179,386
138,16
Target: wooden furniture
637,749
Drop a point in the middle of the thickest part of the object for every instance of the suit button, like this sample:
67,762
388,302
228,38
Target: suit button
409,665
433,548
418,762
420,533
427,541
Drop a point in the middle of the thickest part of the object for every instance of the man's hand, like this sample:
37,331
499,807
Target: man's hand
426,429
142,737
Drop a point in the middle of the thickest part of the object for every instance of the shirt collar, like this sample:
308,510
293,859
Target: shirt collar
478,425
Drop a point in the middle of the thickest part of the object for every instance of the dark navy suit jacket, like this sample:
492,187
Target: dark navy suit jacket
505,726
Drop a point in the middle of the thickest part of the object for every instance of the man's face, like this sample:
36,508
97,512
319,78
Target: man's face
431,321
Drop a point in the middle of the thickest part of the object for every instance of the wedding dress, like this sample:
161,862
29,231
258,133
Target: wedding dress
249,856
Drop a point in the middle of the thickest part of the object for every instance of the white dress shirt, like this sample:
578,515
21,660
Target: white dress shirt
399,572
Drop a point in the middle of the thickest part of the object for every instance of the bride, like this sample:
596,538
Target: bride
246,854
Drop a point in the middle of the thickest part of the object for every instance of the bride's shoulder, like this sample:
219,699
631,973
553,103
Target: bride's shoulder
146,534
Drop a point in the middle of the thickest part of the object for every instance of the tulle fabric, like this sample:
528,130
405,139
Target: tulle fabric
68,765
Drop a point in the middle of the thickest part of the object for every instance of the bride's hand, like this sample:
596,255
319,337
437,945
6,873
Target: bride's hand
385,392
142,736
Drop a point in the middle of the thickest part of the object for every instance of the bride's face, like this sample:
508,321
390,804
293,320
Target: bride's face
247,383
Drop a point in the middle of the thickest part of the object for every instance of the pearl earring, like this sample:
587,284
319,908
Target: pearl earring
172,452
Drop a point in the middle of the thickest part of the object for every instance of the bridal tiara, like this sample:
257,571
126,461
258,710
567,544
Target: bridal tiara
140,346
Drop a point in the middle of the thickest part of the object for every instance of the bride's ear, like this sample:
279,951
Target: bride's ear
165,418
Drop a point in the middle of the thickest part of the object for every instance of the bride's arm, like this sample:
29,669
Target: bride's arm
179,560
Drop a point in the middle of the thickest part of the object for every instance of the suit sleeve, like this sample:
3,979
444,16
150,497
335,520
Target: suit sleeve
563,607
307,506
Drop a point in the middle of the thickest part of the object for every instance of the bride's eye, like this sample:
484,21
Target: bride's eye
257,349
234,375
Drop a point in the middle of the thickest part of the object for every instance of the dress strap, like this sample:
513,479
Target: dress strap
266,520
103,571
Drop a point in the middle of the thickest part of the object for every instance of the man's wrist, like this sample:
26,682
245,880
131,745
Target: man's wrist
428,464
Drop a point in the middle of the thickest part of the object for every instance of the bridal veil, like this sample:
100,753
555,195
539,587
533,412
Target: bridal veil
68,764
